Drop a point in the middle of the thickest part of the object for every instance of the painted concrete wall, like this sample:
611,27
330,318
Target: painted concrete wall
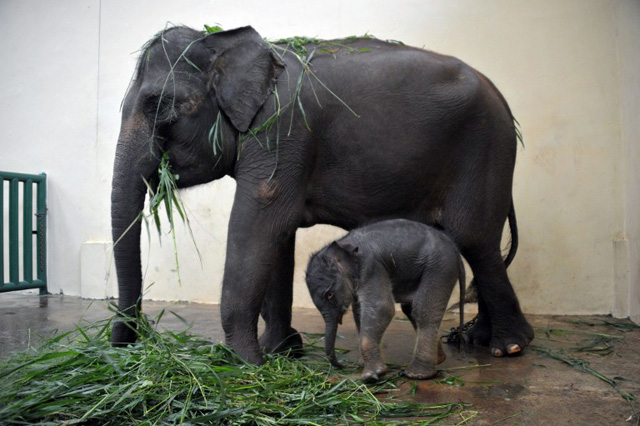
628,264
567,68
48,104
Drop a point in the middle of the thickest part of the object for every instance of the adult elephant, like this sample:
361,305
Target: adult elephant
343,133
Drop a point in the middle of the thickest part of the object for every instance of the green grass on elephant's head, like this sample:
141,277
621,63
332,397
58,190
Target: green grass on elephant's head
170,377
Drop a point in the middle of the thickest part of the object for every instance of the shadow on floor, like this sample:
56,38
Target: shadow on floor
549,384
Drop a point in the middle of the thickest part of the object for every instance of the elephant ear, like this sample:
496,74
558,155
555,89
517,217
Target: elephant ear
244,73
346,257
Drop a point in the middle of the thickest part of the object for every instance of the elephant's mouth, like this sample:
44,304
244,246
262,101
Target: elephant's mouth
343,310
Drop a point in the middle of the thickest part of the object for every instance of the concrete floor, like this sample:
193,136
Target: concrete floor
531,389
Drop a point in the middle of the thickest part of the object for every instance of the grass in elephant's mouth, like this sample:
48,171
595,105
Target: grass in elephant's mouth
175,377
166,193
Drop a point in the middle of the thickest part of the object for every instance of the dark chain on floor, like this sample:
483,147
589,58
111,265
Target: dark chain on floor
455,335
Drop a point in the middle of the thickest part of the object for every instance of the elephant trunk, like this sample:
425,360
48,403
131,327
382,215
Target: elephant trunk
134,161
331,330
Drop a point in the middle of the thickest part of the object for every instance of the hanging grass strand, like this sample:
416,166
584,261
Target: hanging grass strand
166,194
216,136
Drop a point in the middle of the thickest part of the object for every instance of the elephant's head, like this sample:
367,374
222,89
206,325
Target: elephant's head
332,276
191,96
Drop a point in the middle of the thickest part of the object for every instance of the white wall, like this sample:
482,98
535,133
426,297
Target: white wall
567,68
628,264
48,101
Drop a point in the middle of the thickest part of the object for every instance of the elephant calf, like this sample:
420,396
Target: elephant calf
409,262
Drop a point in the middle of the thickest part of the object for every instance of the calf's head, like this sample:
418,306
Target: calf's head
332,277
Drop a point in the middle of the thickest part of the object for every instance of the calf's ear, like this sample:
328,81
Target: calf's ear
346,257
348,247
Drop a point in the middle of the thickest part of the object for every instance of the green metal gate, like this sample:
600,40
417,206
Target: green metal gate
23,251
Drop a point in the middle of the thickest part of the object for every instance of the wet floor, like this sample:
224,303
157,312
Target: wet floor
578,371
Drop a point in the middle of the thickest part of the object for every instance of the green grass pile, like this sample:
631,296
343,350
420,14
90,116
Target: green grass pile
179,378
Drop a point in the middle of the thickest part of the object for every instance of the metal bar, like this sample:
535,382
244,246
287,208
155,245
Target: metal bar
14,248
22,177
23,285
27,231
41,241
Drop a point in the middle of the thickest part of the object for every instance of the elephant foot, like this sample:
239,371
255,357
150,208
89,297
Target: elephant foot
511,340
279,342
369,377
245,346
503,341
334,361
373,374
478,331
123,333
247,353
414,372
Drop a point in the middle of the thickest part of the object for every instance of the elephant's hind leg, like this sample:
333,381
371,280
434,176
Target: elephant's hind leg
428,308
500,323
406,308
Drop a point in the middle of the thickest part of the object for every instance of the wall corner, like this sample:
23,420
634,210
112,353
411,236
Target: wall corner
621,278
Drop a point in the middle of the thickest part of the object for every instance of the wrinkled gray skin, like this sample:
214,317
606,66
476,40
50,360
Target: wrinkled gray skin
373,267
432,141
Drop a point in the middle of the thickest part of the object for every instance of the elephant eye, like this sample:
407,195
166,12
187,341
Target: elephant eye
161,109
329,295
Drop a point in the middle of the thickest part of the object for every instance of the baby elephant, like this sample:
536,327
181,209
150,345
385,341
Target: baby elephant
409,262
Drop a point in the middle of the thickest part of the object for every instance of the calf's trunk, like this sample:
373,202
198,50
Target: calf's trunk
331,330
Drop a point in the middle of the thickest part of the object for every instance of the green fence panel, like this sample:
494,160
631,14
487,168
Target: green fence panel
1,231
21,194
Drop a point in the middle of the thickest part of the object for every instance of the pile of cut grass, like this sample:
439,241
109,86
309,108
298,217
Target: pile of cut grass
179,378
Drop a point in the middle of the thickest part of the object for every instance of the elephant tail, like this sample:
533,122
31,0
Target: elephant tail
513,229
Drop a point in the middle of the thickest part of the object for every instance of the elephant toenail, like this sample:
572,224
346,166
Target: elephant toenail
512,349
496,352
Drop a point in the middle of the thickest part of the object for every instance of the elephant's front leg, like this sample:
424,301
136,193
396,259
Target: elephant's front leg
259,265
278,335
375,317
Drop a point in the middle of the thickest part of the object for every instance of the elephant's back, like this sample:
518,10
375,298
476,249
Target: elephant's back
362,61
